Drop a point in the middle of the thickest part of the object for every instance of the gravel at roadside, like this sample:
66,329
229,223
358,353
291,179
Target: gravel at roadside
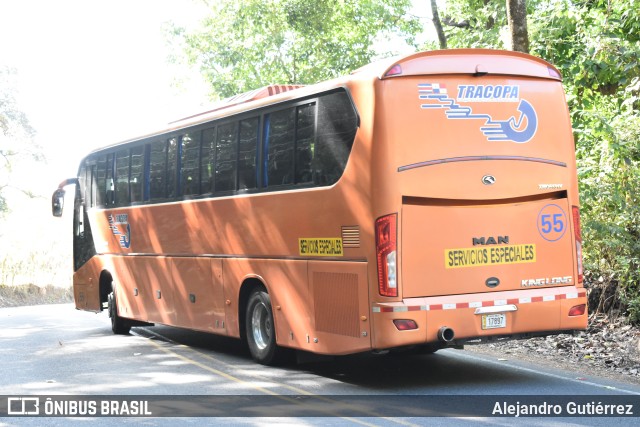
609,347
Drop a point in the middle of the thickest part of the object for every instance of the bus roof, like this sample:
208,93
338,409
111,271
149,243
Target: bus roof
245,97
462,61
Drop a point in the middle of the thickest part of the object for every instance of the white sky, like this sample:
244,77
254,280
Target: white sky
93,73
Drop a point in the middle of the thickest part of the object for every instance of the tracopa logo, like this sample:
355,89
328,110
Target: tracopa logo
519,129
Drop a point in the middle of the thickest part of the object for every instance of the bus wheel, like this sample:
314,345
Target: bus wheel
260,330
119,325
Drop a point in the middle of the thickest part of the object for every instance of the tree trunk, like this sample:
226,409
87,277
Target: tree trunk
436,23
517,18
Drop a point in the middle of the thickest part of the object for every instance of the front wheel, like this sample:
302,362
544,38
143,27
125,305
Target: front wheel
260,329
119,325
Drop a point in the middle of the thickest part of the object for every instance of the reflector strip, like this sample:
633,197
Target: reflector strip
476,304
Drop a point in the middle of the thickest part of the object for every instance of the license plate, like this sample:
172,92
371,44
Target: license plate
493,321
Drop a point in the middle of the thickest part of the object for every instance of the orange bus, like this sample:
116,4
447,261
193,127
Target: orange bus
421,202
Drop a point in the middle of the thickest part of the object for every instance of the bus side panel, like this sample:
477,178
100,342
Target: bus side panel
144,288
198,294
318,306
340,298
285,281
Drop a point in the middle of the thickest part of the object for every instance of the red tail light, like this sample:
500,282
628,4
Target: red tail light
578,310
405,324
578,232
394,71
386,228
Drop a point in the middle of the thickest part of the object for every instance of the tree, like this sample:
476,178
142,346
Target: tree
16,136
517,19
246,44
475,23
442,39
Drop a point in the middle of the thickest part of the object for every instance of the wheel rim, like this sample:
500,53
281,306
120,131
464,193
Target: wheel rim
261,326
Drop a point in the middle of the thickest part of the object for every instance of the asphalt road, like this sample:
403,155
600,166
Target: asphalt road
56,350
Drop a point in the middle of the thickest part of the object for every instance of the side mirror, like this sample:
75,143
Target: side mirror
57,202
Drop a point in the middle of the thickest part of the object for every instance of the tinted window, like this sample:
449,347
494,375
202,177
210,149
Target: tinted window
305,142
337,125
172,167
110,200
208,161
280,131
157,170
137,173
190,165
93,183
248,145
122,177
226,156
101,181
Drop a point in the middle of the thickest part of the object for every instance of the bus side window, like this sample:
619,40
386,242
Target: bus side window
101,181
136,177
122,178
82,181
172,167
208,161
280,141
247,149
305,144
337,125
110,185
190,171
157,170
85,175
226,157
92,183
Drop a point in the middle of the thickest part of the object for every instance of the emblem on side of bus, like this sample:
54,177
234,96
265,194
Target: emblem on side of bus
488,180
123,235
519,129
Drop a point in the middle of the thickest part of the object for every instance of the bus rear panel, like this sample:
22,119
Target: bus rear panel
476,163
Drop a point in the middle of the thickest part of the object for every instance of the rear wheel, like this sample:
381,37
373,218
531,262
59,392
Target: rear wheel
260,330
119,325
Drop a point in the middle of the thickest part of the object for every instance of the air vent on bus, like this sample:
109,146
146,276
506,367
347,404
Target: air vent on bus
351,236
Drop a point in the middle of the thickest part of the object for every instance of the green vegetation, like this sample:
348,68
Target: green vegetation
247,44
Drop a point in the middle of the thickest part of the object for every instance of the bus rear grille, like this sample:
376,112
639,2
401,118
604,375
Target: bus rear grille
336,303
351,236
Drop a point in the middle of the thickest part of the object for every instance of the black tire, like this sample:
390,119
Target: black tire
119,325
260,331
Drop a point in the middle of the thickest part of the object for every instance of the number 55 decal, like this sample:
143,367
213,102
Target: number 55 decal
552,222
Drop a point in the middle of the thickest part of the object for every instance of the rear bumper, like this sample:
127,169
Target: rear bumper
528,313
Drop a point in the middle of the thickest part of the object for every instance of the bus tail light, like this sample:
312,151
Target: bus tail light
405,324
578,232
578,310
396,70
386,228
